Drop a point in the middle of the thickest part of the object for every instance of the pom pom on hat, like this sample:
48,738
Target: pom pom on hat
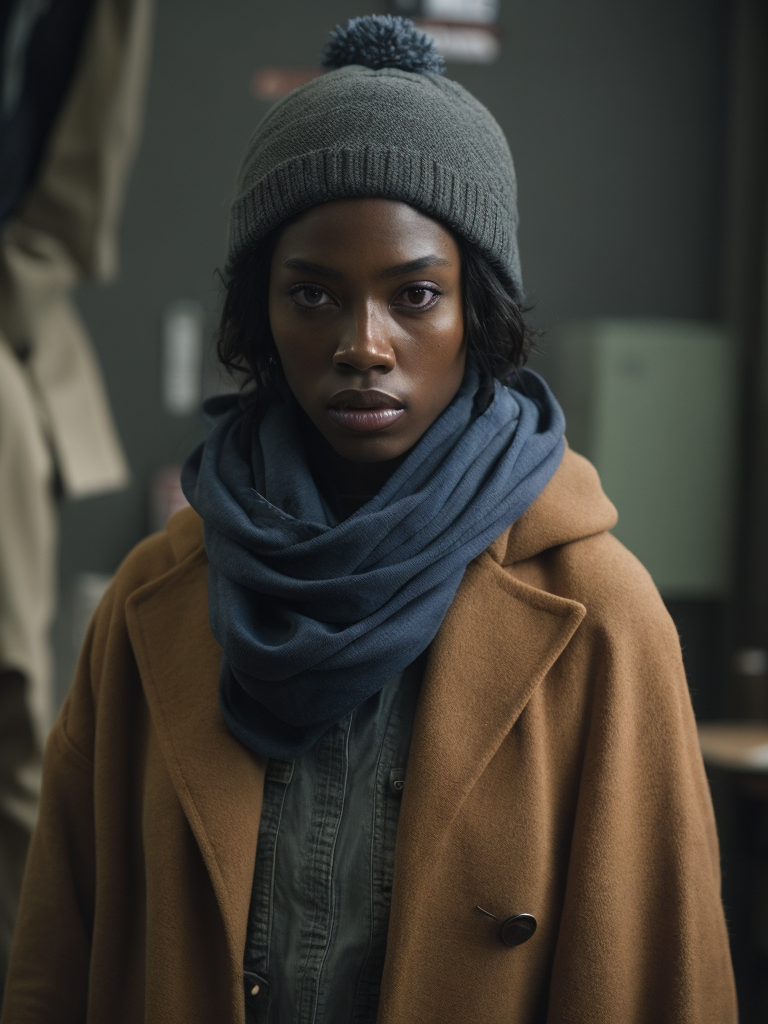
383,41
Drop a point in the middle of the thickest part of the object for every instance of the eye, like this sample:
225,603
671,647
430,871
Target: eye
309,296
417,296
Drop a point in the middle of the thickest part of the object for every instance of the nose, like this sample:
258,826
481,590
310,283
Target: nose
365,344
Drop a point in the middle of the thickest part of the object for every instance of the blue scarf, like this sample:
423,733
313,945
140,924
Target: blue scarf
314,616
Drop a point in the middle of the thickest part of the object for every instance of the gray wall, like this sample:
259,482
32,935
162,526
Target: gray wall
615,114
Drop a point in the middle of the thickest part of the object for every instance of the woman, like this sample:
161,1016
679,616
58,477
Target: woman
389,727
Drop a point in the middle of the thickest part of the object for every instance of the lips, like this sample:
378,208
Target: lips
365,411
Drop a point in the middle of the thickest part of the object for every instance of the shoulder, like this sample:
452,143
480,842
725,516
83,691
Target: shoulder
620,679
626,651
149,566
107,658
162,552
563,546
600,573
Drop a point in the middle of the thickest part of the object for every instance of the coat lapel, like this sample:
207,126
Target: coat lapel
496,644
218,781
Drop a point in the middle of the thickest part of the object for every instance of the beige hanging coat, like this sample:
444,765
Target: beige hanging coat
554,770
65,233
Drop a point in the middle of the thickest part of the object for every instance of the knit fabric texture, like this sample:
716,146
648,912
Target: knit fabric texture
358,132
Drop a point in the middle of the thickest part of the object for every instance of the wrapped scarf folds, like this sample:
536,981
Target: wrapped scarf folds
313,616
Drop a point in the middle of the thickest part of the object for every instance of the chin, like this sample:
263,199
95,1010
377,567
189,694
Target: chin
369,449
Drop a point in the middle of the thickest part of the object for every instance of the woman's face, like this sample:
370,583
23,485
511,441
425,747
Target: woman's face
365,308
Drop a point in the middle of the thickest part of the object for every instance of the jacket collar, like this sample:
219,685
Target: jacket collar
458,728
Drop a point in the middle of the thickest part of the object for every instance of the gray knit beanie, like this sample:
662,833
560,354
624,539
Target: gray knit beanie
383,122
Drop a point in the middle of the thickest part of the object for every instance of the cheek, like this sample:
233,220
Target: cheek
452,378
448,357
300,355
439,379
301,370
452,329
284,330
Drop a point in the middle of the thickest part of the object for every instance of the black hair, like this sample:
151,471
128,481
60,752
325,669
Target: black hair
495,328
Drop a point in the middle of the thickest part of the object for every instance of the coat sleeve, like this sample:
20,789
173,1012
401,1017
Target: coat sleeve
48,975
642,910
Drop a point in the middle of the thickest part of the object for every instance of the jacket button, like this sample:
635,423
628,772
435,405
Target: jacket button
256,986
518,929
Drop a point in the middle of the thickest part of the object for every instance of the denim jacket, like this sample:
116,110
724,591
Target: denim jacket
323,880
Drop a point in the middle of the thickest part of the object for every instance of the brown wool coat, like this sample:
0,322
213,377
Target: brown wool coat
554,770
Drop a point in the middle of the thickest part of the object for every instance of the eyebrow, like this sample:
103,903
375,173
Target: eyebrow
402,268
420,264
312,268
